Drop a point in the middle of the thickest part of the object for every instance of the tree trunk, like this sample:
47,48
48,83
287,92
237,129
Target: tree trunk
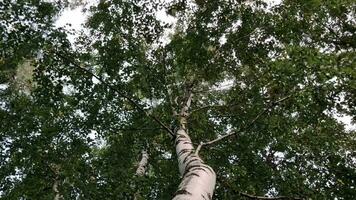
56,170
57,195
198,181
141,169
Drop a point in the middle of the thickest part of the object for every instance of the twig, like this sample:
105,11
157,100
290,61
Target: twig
109,85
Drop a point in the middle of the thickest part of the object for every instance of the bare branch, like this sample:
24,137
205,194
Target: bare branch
112,87
198,148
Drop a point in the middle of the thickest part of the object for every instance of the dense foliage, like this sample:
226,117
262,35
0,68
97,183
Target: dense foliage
273,77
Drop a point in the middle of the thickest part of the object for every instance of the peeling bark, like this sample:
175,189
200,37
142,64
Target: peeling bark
199,179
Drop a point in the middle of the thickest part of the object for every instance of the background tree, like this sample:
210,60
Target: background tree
253,87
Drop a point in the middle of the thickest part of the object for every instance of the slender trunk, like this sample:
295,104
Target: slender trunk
57,195
57,181
141,169
198,181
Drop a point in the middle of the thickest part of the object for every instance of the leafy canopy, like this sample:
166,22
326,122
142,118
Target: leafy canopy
94,107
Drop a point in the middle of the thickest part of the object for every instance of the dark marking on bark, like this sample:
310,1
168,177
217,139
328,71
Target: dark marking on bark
187,142
181,136
192,174
178,141
203,197
192,160
207,167
187,157
193,168
203,169
194,156
184,151
209,196
182,192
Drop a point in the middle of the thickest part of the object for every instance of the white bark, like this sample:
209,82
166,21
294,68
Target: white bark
56,168
199,179
141,169
57,195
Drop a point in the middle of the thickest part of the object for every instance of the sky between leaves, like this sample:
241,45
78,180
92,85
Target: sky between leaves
73,19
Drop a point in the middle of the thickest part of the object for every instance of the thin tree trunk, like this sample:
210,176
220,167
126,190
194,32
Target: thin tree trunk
199,179
141,169
57,195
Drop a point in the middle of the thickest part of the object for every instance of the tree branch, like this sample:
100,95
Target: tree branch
244,129
112,87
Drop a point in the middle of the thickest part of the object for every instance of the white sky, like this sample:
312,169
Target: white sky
74,17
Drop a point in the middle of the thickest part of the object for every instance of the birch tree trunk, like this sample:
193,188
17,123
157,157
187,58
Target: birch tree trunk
141,169
199,179
57,195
